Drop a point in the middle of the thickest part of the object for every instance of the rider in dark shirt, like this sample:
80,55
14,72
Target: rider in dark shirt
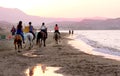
13,30
31,29
20,30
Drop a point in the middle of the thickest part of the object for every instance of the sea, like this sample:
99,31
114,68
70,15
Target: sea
103,41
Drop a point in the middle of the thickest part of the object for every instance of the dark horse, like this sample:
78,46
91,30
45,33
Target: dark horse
18,42
41,37
56,37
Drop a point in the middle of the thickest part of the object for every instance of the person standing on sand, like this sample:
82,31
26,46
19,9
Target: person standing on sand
69,32
72,32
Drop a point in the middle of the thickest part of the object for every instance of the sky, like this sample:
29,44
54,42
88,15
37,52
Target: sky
66,8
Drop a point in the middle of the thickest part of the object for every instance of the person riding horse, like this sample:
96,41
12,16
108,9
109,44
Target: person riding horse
42,35
19,37
13,30
43,29
31,29
56,29
20,30
56,34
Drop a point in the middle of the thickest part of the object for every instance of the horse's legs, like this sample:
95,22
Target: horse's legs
15,46
21,44
37,41
44,42
56,40
18,47
59,39
30,44
40,42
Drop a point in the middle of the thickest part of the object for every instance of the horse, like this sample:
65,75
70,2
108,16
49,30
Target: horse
29,39
41,37
18,42
56,37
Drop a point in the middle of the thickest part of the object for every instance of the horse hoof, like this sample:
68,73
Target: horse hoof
29,48
19,51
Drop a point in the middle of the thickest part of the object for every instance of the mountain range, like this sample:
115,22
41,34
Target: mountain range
14,15
11,16
88,24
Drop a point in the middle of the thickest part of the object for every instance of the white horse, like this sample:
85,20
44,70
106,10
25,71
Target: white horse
29,39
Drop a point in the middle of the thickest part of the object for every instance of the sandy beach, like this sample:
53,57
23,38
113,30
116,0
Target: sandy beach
68,58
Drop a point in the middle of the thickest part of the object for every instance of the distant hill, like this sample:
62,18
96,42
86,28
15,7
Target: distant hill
5,26
88,24
13,15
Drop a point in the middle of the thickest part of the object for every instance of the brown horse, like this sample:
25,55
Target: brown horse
41,37
18,42
56,37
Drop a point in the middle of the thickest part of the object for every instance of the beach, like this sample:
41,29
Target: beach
68,58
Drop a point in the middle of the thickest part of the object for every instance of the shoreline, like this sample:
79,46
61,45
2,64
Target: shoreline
92,49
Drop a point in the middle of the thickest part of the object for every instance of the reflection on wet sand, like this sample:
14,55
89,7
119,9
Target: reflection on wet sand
42,70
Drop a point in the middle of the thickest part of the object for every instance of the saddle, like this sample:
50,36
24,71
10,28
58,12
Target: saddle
18,37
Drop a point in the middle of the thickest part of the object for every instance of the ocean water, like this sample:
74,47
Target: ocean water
104,41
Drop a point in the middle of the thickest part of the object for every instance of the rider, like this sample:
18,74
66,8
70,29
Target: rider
56,28
13,30
43,28
20,30
31,30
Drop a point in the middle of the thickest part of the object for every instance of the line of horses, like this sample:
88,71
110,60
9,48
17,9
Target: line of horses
40,40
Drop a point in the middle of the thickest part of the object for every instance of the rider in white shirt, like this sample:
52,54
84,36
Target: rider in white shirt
43,28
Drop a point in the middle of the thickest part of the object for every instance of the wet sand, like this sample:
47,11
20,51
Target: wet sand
61,59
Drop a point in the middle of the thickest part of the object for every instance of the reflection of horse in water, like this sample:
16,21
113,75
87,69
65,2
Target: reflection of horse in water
41,38
18,42
57,37
29,39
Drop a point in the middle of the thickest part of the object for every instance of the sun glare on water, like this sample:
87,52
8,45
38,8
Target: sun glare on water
42,70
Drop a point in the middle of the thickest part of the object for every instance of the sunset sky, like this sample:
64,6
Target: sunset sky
66,8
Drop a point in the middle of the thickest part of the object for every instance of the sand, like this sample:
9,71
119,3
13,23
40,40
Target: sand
61,59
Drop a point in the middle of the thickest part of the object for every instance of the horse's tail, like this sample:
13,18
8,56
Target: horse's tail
29,36
38,37
17,38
